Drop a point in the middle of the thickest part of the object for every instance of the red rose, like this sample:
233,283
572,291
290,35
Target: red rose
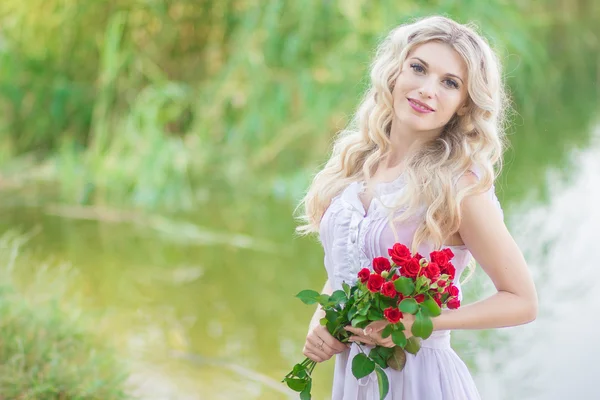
452,291
375,282
439,257
364,274
420,298
392,314
381,264
441,283
453,303
449,253
438,299
394,277
388,289
432,271
410,269
400,298
449,270
400,254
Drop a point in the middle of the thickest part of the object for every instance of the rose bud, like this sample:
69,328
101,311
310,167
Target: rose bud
453,303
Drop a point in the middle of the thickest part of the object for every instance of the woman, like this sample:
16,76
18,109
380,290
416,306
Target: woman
417,167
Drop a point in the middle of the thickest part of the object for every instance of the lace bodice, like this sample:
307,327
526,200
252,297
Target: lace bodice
352,236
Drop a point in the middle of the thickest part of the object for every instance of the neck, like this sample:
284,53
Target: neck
405,141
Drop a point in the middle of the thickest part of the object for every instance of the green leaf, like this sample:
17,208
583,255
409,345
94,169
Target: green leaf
296,385
331,315
409,305
432,308
378,357
331,326
413,345
382,382
346,288
323,299
387,302
302,374
387,331
305,394
362,365
338,297
357,320
352,311
308,296
399,338
397,360
422,281
386,352
323,321
404,285
374,314
297,368
365,309
423,326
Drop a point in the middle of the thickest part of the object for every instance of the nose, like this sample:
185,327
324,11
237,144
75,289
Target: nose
428,89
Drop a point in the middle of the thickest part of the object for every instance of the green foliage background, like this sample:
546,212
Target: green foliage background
144,103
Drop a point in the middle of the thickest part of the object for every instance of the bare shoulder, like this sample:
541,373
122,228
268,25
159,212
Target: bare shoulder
478,210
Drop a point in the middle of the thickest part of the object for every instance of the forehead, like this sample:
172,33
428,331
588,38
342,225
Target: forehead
441,57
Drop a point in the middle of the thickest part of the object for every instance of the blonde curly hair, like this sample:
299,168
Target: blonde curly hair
475,139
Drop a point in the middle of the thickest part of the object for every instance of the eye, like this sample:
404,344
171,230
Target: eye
452,83
417,67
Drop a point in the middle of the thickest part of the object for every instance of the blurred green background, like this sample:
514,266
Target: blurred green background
159,148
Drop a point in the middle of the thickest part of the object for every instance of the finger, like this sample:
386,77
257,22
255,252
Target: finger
321,343
356,331
377,326
359,336
362,339
316,348
330,340
335,345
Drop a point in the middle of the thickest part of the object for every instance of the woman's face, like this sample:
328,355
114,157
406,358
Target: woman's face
430,88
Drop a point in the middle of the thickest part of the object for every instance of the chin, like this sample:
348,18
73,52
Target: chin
415,122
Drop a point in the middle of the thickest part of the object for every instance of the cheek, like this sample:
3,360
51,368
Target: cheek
449,103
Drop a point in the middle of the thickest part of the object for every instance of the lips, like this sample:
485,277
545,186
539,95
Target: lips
420,105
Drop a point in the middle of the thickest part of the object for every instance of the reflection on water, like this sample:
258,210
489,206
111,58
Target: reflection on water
556,357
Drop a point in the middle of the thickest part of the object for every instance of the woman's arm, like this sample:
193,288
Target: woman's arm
319,313
483,231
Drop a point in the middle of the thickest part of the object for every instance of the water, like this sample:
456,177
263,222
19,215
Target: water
556,356
202,319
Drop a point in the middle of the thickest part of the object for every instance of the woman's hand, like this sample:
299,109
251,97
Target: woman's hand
321,345
371,335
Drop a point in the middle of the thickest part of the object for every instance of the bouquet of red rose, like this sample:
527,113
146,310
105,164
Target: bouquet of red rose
406,284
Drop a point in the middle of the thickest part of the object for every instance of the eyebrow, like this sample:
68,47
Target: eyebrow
427,66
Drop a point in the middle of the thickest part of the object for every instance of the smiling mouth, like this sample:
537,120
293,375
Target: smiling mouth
420,107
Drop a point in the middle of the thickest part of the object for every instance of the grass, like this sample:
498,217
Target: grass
146,105
48,349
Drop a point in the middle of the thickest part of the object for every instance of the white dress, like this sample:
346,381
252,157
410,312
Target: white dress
351,238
